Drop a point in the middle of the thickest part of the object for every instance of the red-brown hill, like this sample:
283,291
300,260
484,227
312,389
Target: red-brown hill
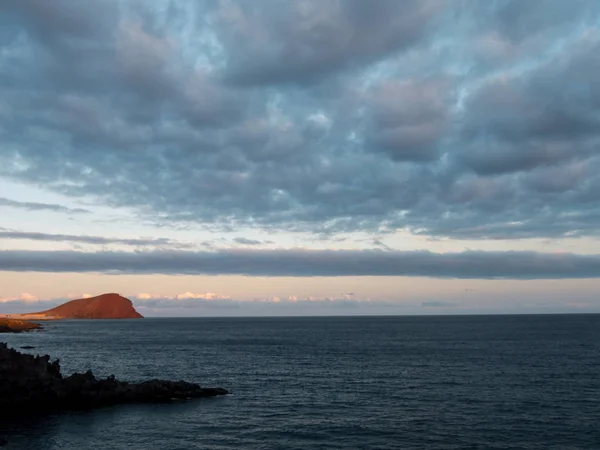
105,306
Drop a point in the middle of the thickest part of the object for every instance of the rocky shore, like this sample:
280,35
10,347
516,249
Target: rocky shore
17,326
34,385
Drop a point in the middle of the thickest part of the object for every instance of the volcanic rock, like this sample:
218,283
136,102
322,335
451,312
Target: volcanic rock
105,306
17,326
33,384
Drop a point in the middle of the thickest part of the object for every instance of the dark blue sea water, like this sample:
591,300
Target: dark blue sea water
486,382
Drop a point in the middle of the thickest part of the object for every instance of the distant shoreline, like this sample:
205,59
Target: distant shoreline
28,317
9,325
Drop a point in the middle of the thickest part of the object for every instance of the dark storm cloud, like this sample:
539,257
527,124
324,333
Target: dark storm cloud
95,240
525,122
523,22
34,206
276,42
411,118
462,119
306,263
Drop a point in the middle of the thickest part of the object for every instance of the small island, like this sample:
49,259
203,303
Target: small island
34,385
105,306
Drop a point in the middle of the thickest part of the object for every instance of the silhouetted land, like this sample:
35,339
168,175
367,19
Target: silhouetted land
34,385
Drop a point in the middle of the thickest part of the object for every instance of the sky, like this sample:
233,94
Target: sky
315,157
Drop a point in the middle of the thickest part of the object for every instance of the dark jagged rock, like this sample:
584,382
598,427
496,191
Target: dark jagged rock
28,347
33,384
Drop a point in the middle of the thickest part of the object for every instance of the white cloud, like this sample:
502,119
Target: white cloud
205,296
27,297
187,298
24,297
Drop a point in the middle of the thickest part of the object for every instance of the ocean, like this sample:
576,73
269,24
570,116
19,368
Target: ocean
454,382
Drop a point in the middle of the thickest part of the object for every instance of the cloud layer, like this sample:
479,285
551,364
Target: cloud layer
34,206
466,119
307,263
94,240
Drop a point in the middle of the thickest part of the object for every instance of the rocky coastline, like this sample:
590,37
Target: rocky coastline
8,325
32,385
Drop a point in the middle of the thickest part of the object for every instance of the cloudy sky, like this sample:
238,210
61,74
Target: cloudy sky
226,157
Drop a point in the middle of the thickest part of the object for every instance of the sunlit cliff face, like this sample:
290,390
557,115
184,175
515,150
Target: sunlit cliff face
423,156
